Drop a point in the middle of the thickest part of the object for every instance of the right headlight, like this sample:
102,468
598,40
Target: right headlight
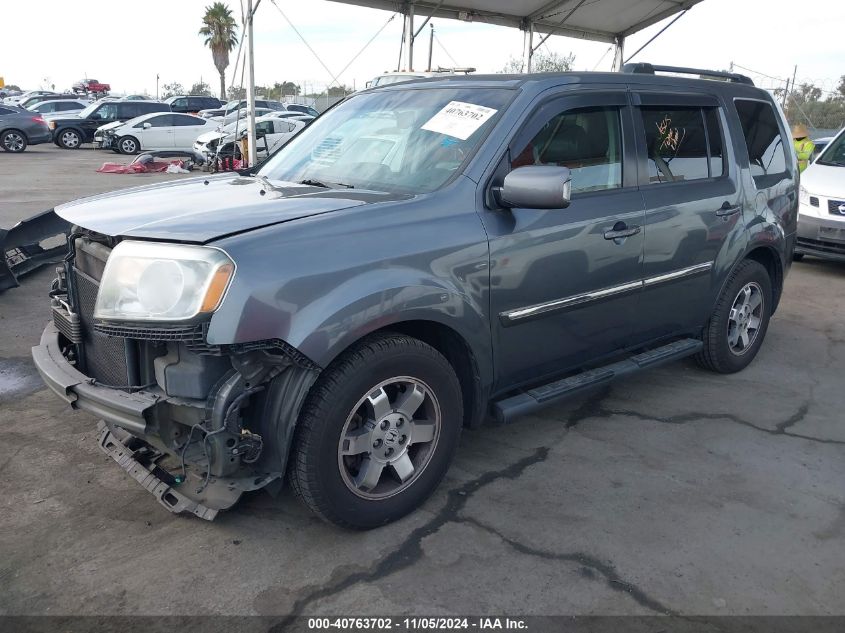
803,195
149,281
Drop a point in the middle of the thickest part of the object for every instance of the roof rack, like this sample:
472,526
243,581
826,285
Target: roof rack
650,69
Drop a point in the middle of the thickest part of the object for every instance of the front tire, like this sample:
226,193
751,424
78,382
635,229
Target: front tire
740,319
69,139
128,145
797,257
377,432
13,141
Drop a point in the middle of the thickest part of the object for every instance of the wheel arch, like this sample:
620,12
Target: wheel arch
768,257
460,356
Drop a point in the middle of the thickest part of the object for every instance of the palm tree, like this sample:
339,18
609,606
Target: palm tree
220,32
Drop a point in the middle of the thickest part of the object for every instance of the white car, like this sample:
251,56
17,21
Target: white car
154,131
821,208
271,132
59,106
16,99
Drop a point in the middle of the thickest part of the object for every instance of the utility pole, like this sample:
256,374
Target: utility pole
250,87
430,46
156,86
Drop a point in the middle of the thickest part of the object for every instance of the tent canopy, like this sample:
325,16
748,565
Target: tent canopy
598,20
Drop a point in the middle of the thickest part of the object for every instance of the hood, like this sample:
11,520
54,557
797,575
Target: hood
201,209
824,180
207,137
110,126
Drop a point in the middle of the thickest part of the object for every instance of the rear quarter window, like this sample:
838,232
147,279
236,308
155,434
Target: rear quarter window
767,154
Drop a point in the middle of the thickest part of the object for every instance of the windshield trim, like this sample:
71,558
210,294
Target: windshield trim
459,170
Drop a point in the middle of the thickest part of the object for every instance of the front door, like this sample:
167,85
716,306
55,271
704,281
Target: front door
694,210
160,133
565,282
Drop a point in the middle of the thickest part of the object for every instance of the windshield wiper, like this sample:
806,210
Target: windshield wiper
320,183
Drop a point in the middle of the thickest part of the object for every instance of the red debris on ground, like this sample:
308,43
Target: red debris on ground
138,168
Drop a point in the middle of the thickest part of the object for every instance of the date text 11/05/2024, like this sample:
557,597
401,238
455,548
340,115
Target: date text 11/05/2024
417,623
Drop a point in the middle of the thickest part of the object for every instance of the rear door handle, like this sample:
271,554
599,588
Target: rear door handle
620,232
727,210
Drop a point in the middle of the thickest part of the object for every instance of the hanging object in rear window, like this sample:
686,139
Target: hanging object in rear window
459,119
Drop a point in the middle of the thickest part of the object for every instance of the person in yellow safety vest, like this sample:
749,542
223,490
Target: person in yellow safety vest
804,147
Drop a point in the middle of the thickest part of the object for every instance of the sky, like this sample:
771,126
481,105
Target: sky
128,47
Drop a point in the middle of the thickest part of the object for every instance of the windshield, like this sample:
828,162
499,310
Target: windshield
405,141
88,110
834,154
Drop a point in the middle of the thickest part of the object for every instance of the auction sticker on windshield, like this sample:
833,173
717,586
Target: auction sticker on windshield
459,119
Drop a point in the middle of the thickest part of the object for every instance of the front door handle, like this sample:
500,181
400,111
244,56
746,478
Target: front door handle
620,231
728,210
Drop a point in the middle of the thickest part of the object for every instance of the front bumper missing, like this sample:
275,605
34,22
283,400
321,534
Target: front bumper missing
113,443
128,410
124,424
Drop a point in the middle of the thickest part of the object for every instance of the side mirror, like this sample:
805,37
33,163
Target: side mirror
147,125
536,187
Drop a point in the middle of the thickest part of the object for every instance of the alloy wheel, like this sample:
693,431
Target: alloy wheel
14,142
389,438
70,140
745,318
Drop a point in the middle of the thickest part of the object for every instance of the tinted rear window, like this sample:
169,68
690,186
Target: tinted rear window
683,143
766,145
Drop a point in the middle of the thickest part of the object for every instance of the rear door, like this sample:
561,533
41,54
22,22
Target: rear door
186,129
160,133
563,289
694,209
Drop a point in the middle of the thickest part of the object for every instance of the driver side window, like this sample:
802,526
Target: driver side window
586,140
108,111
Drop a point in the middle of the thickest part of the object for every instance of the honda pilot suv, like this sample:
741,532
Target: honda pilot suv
422,257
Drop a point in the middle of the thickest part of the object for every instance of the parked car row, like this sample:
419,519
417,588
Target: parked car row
133,124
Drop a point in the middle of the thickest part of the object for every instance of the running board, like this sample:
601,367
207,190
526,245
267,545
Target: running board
530,400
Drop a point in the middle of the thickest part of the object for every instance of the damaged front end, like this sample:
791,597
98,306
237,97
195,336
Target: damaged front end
196,424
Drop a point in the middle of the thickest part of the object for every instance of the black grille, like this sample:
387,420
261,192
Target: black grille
191,334
833,207
104,356
814,201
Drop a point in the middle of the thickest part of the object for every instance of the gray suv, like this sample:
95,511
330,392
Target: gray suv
422,257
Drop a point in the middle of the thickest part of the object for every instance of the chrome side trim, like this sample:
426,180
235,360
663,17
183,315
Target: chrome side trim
561,304
678,274
514,316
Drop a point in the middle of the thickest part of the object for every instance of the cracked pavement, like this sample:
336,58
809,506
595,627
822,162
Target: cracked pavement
676,491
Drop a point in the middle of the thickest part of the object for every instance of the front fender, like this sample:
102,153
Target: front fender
321,283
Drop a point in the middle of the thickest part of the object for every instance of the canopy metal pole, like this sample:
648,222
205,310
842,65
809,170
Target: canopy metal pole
250,88
430,47
409,37
528,47
619,53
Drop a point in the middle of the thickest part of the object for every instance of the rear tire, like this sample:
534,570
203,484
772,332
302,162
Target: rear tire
377,432
739,321
13,141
